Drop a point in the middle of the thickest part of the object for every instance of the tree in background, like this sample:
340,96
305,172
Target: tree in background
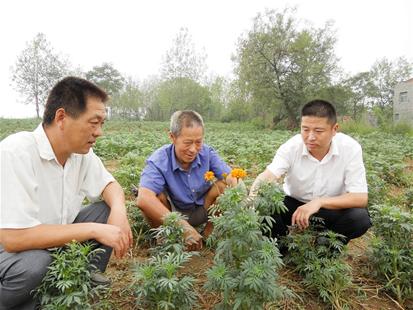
36,71
360,89
282,66
179,94
128,102
218,88
385,75
180,86
107,77
182,60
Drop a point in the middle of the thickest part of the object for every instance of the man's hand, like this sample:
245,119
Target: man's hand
122,222
193,239
301,216
112,236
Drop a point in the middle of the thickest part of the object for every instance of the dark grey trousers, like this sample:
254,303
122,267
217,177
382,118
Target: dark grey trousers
21,273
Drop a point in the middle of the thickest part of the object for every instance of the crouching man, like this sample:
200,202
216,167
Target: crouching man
45,176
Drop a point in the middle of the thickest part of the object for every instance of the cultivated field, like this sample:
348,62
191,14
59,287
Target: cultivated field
372,258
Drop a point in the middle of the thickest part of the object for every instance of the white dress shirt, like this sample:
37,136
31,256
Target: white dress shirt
37,189
306,178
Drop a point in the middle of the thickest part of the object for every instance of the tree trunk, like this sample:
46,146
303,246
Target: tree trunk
37,106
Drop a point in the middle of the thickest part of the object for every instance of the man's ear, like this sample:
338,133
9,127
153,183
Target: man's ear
171,137
335,128
59,117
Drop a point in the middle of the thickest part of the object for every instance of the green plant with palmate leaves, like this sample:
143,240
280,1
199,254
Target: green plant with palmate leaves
318,255
245,263
67,284
159,285
391,250
268,201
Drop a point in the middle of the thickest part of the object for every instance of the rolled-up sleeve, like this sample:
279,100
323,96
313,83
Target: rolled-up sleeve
217,165
152,178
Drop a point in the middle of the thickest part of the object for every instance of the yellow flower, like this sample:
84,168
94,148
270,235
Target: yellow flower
238,173
224,175
209,176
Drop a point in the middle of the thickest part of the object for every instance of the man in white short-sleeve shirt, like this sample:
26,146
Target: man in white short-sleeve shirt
45,176
323,175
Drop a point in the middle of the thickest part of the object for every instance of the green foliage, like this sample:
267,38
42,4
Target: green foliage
356,127
36,71
127,103
158,282
159,286
401,128
318,257
269,201
245,262
385,75
107,77
392,249
67,283
180,93
280,65
139,225
170,235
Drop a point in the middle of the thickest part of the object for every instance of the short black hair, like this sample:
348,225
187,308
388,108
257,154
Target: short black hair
71,93
320,108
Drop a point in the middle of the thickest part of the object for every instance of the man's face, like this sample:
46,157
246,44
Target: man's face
81,133
317,134
188,144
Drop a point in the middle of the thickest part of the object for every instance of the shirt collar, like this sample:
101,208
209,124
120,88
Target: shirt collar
45,148
333,151
175,164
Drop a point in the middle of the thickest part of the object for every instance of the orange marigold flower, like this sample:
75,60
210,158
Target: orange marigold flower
209,176
238,173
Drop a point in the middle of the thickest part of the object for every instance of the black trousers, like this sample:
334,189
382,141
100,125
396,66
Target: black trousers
352,222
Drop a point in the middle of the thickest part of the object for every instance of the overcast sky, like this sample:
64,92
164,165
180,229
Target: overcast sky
134,35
